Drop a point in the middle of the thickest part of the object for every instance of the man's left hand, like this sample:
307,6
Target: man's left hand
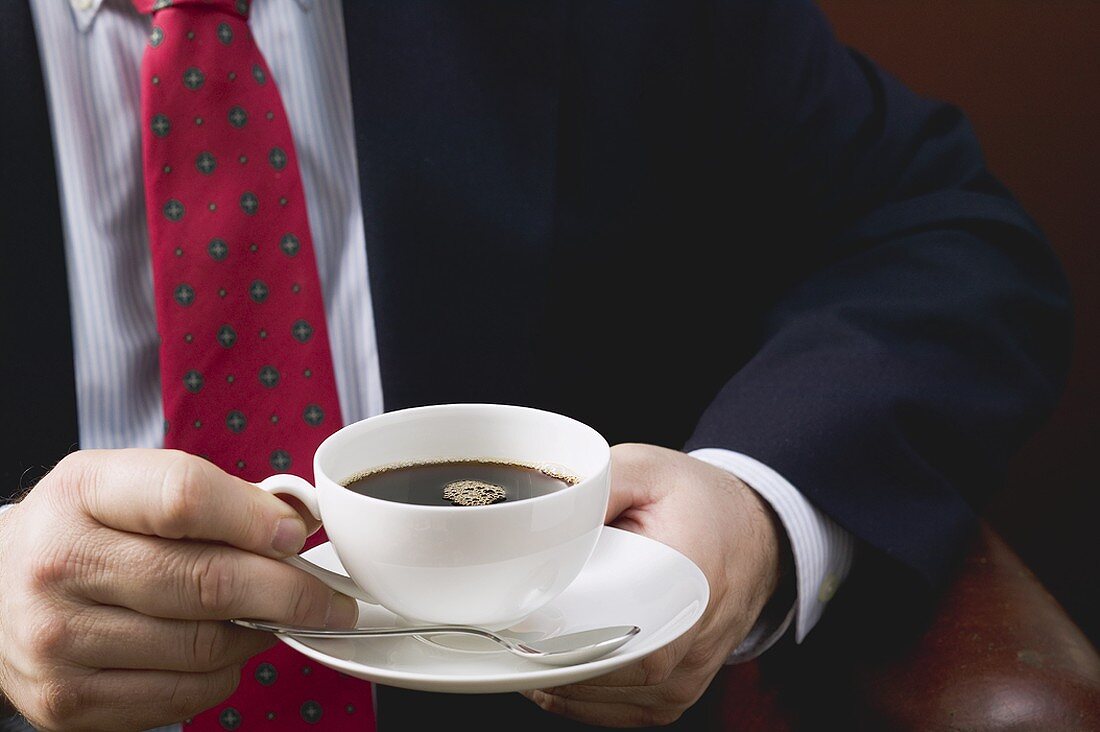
722,525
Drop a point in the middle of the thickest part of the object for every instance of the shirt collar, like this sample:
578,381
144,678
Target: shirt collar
85,11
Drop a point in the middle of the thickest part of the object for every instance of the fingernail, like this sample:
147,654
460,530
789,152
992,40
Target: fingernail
343,612
290,536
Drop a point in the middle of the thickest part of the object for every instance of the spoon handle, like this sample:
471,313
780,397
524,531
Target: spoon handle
560,650
307,632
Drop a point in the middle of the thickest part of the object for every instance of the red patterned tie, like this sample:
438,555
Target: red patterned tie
246,371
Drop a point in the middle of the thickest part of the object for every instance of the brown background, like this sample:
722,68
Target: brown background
1027,74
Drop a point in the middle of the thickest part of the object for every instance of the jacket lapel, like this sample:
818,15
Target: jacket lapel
41,422
455,114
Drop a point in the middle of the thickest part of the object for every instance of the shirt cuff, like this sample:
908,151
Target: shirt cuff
822,551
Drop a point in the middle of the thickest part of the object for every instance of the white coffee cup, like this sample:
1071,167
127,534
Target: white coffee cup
489,565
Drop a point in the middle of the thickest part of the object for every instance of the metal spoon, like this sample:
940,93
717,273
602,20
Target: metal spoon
558,650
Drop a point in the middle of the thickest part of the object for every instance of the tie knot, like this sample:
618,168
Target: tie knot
237,7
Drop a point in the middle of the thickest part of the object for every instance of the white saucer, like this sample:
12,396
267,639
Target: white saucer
630,579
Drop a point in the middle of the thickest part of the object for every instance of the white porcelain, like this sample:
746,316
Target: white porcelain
630,579
478,565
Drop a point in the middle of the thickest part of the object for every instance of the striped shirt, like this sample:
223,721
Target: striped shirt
92,58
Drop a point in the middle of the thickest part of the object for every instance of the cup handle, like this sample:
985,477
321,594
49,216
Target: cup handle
300,488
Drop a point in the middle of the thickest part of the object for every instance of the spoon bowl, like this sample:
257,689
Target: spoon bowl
557,650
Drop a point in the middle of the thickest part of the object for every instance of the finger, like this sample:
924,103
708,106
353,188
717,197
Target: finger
627,489
201,581
174,495
605,714
116,638
621,498
120,700
640,476
650,670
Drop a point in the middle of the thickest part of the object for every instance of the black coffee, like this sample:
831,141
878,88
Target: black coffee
458,482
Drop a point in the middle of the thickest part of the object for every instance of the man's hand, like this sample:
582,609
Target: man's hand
116,575
724,527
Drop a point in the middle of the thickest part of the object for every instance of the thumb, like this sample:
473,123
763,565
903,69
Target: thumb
629,487
174,495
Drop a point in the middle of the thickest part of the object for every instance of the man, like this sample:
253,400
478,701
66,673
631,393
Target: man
706,229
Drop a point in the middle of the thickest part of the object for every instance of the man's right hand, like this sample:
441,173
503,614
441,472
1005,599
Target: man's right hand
117,573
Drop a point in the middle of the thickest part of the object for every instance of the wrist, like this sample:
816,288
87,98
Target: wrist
773,609
7,709
785,592
778,557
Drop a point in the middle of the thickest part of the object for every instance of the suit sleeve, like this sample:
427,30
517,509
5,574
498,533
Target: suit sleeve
925,329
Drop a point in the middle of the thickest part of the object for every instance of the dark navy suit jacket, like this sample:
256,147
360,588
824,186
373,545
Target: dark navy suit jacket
692,223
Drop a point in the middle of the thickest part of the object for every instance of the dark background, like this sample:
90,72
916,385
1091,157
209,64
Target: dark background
1027,74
